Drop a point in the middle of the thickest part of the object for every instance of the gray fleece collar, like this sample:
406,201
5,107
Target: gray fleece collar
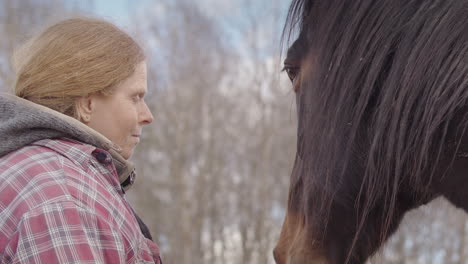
23,122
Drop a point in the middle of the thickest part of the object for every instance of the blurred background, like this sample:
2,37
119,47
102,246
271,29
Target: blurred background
213,169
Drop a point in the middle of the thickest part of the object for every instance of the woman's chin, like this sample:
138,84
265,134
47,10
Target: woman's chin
126,153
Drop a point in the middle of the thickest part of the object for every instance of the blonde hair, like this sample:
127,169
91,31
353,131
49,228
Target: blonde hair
74,58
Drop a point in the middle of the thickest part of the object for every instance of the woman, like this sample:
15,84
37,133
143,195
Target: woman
66,137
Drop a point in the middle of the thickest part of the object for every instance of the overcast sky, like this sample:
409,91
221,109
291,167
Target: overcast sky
120,11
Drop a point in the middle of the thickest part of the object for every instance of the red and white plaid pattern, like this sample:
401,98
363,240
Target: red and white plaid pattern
59,204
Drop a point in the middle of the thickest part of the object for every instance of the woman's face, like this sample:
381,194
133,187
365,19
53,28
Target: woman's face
121,115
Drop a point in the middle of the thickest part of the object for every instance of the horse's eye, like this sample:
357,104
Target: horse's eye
292,72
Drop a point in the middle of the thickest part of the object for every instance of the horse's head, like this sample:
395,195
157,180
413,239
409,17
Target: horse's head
382,104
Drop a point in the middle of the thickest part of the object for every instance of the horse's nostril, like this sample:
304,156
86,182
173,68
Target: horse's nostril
276,256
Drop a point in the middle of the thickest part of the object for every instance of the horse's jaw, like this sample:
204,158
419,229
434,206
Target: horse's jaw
301,258
307,259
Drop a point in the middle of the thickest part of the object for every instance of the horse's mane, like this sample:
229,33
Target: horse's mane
383,99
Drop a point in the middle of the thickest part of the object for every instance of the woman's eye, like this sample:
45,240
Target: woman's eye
292,72
136,98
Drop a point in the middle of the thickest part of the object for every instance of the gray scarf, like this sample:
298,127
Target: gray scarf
23,122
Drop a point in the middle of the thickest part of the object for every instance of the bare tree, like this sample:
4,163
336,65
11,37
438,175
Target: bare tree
217,160
432,234
19,19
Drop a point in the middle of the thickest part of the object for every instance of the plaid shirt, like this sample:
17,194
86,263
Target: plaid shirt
61,202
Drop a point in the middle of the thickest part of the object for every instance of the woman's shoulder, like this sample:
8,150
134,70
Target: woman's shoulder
35,173
43,156
50,171
27,161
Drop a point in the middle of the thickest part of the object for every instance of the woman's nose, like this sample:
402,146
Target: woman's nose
147,116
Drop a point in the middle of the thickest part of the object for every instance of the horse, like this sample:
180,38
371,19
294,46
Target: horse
382,109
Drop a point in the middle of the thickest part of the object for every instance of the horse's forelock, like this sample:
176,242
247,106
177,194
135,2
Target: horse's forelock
379,103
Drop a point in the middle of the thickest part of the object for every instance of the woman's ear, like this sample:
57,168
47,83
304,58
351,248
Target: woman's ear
84,108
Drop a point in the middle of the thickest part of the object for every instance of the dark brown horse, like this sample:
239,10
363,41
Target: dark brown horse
382,104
